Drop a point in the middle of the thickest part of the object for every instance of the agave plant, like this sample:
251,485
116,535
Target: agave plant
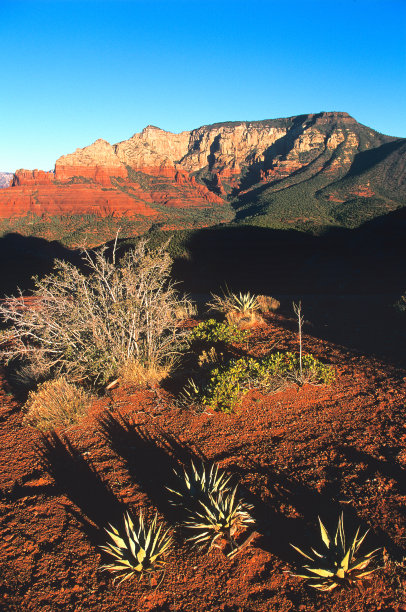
140,551
222,515
337,565
212,505
196,485
243,302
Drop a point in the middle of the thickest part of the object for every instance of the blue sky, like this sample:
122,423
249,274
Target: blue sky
75,71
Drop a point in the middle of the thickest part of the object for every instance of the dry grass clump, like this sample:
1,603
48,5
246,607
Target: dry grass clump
267,304
56,403
244,320
88,326
135,373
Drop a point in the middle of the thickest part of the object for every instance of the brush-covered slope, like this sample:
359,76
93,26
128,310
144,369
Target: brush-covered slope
311,170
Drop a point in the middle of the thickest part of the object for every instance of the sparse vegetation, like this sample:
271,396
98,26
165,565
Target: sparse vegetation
90,326
211,331
57,403
337,565
230,381
400,304
138,551
267,304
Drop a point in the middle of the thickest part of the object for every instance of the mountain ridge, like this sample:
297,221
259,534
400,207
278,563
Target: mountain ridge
300,171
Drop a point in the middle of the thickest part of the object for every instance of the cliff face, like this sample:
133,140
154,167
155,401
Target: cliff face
156,171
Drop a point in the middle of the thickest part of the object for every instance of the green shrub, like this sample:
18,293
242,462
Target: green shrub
229,382
212,331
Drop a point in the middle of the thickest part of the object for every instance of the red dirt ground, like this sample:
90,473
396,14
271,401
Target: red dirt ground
301,453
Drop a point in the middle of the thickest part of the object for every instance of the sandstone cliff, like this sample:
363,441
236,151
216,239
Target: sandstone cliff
264,162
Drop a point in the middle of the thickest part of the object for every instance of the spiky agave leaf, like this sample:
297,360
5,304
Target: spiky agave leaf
244,302
140,551
220,516
197,484
337,565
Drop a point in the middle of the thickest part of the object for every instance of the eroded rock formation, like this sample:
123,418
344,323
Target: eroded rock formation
154,171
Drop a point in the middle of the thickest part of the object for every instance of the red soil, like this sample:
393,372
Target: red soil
300,453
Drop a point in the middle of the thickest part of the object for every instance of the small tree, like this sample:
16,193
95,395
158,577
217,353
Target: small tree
90,326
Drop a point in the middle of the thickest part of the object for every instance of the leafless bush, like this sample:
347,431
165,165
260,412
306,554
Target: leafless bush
89,326
56,403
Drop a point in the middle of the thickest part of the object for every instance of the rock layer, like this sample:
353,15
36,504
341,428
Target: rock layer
154,171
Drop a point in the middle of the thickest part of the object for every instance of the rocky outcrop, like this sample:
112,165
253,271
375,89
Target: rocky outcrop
97,162
156,171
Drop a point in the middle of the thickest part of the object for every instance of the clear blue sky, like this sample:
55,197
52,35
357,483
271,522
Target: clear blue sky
72,72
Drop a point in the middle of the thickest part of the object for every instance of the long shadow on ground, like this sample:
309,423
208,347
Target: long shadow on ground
77,478
151,460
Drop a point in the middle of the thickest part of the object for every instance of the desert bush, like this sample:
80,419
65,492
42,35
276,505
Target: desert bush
56,403
90,326
28,375
211,331
229,382
337,565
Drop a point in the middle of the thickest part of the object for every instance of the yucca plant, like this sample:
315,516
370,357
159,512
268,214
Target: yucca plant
140,551
337,565
244,302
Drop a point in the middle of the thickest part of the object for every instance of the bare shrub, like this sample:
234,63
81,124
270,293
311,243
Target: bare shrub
28,375
89,326
56,403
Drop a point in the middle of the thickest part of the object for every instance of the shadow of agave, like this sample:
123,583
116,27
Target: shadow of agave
151,459
74,476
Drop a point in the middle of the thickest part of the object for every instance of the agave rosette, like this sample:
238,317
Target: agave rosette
338,564
197,484
244,302
140,551
220,516
213,508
